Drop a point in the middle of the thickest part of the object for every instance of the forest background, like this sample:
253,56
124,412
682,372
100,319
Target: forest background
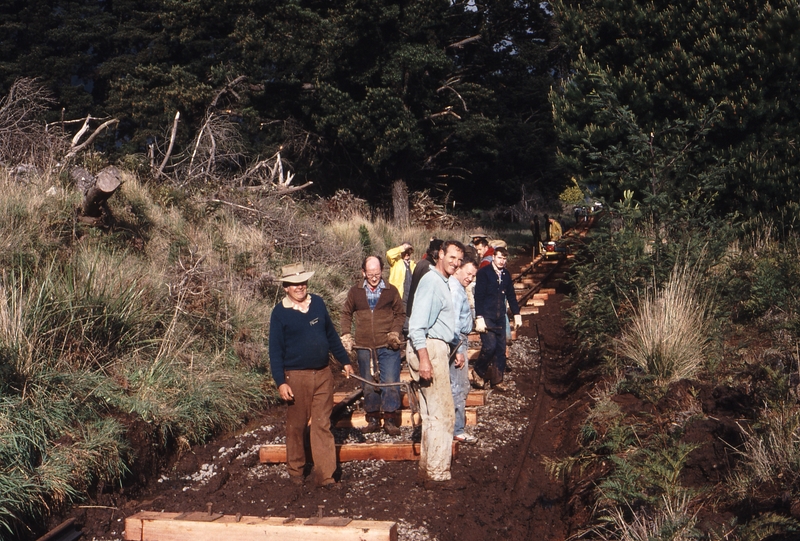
681,118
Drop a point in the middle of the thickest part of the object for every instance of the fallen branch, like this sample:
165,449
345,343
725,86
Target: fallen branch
281,191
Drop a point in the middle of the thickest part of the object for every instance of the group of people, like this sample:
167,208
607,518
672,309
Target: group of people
430,307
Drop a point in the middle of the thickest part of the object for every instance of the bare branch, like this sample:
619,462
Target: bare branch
23,137
74,149
228,88
459,44
447,111
171,144
281,191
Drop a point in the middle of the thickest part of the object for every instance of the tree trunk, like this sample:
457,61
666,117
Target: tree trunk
400,202
105,184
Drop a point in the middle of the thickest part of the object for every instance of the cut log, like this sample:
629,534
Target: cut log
154,526
346,452
358,419
106,183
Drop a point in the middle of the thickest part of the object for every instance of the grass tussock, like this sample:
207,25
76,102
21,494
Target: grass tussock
668,336
771,450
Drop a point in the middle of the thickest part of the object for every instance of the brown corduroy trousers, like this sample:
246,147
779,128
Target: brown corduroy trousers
313,400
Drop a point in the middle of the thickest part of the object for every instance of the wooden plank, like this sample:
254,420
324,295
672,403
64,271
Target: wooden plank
474,336
541,296
346,452
153,526
476,397
529,310
548,290
358,419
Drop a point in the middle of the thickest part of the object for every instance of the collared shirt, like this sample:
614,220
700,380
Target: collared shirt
433,315
373,296
462,312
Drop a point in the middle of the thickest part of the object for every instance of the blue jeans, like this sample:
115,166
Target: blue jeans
385,399
459,386
493,352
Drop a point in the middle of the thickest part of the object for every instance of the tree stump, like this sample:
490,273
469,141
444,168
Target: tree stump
94,207
400,202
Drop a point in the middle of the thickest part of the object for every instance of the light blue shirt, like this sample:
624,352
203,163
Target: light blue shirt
433,315
462,312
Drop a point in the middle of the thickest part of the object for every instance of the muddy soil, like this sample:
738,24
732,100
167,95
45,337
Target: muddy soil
510,496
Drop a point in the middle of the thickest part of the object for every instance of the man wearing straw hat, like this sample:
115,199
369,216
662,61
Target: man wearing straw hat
301,336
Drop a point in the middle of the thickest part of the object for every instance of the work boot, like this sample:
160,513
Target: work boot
373,424
450,484
389,427
476,380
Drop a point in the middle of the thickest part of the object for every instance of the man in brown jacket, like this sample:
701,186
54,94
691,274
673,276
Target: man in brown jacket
377,311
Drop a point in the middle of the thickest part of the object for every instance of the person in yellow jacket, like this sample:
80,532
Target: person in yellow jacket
555,229
401,266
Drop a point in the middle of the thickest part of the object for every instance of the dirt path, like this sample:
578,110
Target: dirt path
510,497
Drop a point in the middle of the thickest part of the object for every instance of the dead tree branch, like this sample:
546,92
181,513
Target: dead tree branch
171,144
228,88
75,147
448,85
459,44
23,137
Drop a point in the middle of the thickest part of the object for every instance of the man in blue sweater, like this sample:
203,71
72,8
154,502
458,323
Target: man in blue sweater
301,335
493,287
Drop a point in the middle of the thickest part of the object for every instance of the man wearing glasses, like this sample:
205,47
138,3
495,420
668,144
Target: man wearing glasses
377,310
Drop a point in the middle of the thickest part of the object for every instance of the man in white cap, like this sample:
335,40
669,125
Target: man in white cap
301,336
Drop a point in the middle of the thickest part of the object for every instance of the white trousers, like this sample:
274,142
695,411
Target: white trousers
437,411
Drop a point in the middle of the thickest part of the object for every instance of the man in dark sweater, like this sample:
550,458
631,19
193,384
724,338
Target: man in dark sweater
493,287
377,310
301,335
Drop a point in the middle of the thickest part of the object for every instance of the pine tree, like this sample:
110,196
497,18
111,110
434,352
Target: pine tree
682,102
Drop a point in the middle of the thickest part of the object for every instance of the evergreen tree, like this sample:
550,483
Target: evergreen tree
359,94
682,103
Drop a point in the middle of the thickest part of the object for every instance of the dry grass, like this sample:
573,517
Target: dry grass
668,336
772,451
675,520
